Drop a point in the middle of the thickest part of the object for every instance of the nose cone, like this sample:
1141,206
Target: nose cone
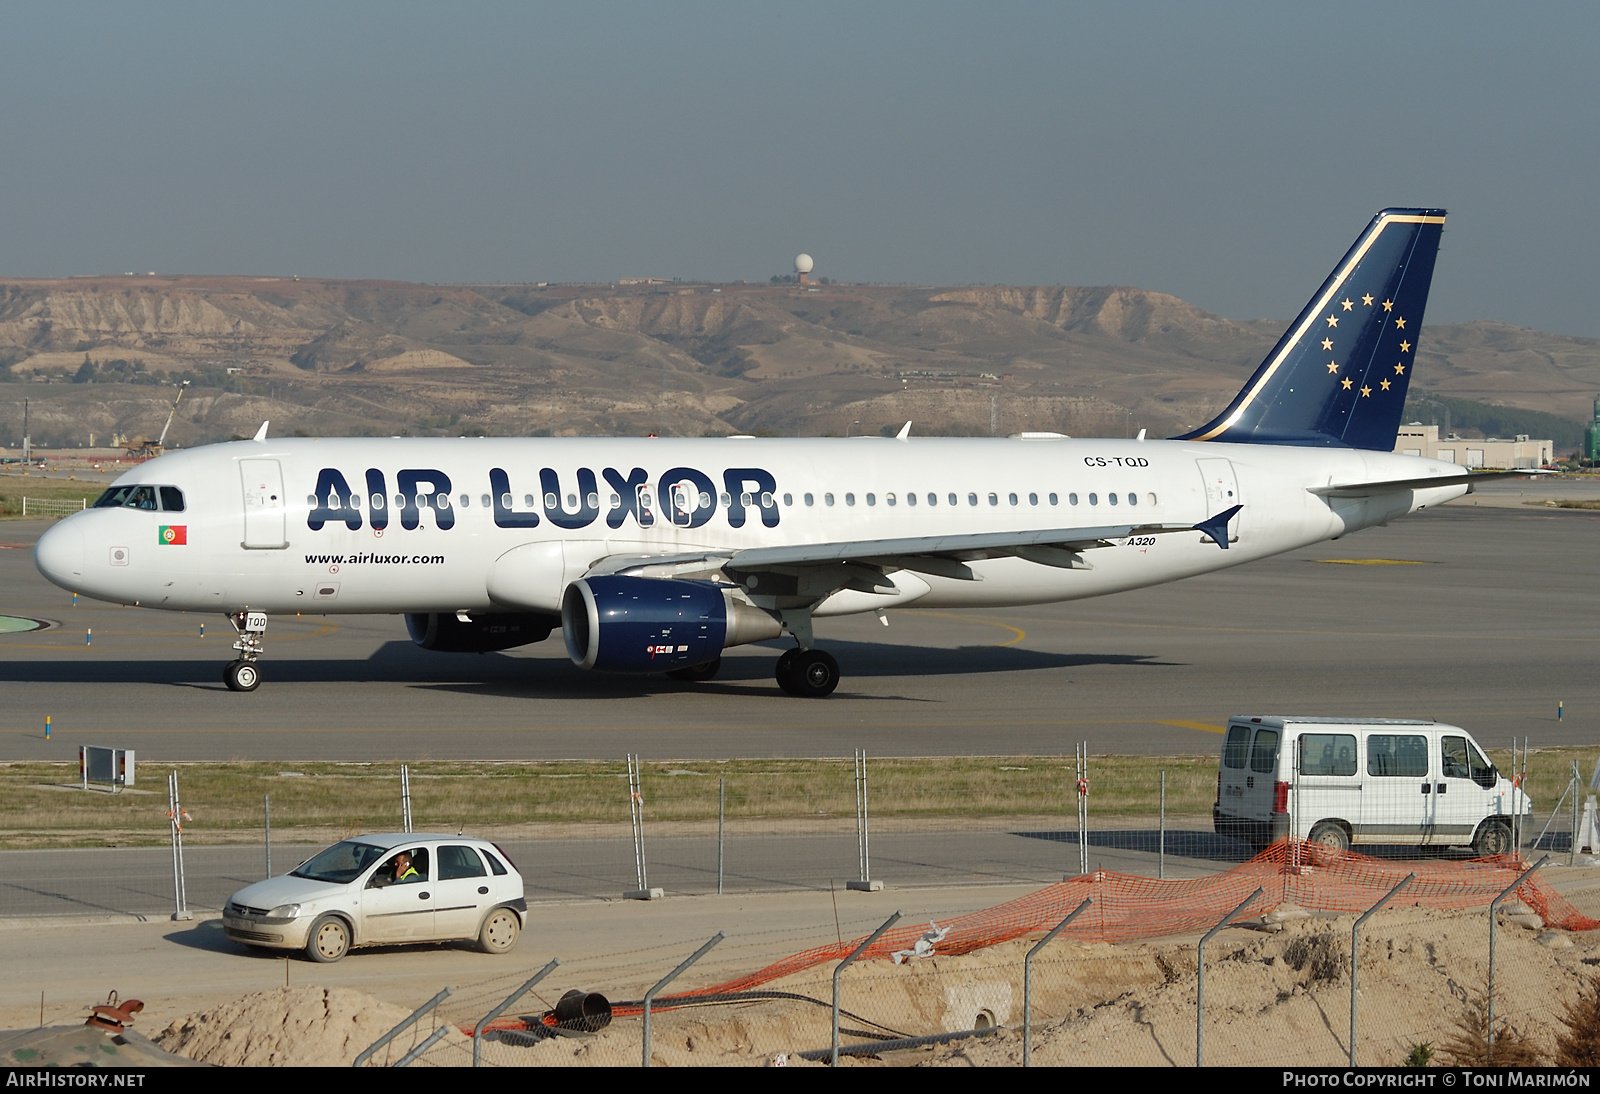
59,555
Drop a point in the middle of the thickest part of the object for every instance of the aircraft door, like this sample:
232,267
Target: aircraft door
265,514
1222,491
645,510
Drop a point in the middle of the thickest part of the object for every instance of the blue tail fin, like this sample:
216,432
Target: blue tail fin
1339,374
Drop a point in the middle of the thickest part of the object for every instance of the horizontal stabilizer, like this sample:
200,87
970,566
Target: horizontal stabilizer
1390,486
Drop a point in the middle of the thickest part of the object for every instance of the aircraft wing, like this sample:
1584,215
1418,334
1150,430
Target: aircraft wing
941,556
1370,489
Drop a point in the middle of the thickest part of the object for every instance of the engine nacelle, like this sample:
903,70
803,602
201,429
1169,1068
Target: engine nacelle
446,633
619,623
615,623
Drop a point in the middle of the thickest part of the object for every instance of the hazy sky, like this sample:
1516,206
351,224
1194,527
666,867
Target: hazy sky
1226,153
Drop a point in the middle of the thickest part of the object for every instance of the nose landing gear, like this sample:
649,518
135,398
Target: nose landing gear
244,674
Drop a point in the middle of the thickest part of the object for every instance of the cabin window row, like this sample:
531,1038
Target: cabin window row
975,499
765,500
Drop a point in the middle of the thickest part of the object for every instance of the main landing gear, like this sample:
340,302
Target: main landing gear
807,674
244,674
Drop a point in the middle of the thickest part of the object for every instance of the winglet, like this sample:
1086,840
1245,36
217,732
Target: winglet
1217,527
261,434
905,431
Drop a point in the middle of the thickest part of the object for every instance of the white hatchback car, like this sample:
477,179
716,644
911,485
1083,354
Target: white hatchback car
385,889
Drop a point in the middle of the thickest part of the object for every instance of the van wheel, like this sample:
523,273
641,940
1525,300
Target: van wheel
1330,836
1493,839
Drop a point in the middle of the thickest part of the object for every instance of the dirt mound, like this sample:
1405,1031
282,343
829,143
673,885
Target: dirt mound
289,1027
1283,1000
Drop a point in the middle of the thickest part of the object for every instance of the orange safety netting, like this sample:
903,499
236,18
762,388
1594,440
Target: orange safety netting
1128,907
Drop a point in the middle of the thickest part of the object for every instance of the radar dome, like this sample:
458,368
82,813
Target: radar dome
802,264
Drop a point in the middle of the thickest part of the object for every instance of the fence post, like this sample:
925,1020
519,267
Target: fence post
1572,848
1200,981
1161,837
405,1024
864,884
1355,940
636,815
405,798
1082,754
175,813
266,812
1027,982
840,967
1494,908
483,1023
722,810
650,996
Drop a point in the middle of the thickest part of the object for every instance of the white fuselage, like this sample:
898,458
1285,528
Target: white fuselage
244,538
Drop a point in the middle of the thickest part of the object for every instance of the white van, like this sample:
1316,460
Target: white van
1339,781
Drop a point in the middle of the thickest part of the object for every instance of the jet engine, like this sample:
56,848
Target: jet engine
620,623
448,633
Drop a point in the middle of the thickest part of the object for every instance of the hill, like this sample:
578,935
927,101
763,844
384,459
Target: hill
99,355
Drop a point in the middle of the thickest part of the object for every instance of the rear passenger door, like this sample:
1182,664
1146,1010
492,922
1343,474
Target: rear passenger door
461,893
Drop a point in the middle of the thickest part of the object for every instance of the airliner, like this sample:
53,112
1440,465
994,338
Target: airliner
654,555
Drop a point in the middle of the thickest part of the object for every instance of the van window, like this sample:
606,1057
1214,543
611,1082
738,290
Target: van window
1327,754
1264,756
1397,754
1461,761
1236,749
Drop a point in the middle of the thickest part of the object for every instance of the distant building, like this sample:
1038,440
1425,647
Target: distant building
1591,434
1417,439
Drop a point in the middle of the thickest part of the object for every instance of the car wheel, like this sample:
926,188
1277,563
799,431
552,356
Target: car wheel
1329,837
500,931
1493,839
329,939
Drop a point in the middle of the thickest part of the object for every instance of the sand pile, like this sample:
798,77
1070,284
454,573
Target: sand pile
293,1027
1285,999
1271,999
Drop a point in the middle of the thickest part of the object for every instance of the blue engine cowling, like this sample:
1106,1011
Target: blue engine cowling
615,623
448,633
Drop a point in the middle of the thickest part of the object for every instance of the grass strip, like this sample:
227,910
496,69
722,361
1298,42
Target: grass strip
330,800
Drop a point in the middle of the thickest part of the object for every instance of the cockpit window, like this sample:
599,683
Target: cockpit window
140,496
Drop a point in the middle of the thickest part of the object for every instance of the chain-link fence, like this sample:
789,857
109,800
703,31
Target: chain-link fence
588,831
1279,989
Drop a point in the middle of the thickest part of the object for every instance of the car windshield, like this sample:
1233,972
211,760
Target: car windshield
341,863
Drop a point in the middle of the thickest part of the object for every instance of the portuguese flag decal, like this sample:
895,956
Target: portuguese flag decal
173,535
